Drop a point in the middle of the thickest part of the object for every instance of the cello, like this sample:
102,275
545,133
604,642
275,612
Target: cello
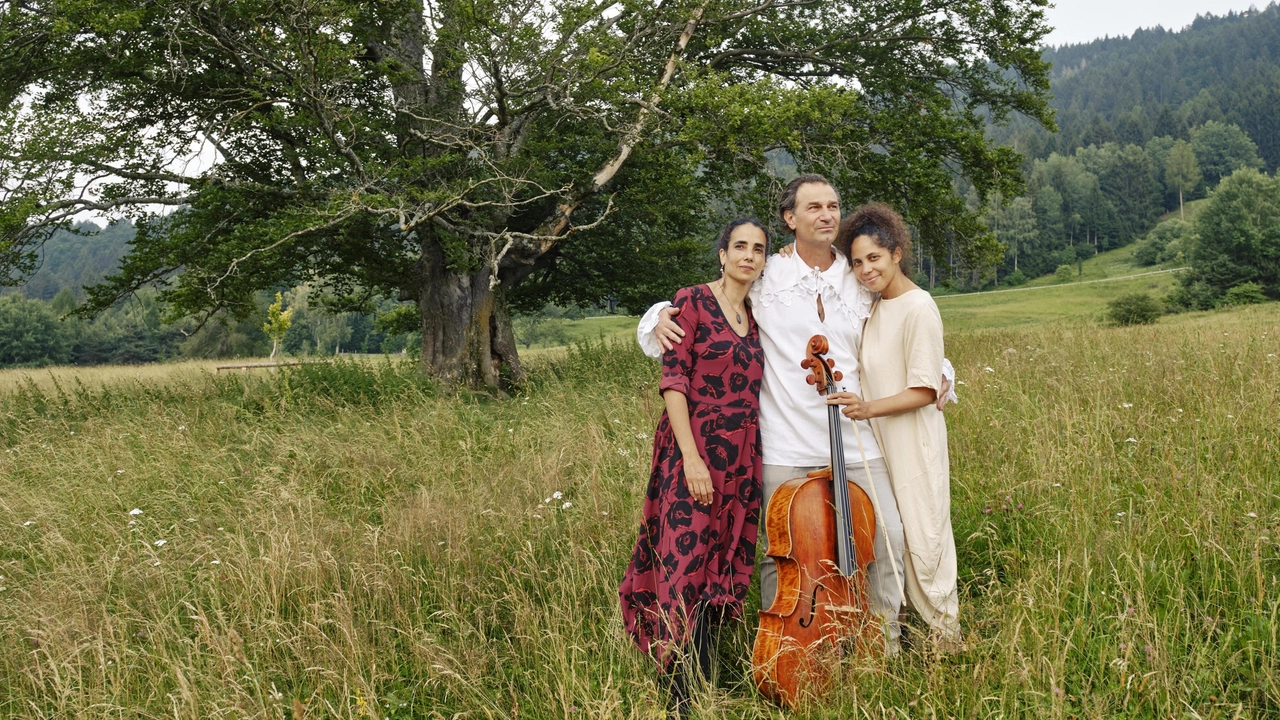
821,535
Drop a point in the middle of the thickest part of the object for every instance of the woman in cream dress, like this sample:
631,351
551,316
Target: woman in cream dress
900,360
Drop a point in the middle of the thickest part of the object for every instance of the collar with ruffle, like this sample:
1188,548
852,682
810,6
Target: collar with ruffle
786,279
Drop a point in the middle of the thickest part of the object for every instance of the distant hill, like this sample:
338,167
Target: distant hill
1162,82
73,261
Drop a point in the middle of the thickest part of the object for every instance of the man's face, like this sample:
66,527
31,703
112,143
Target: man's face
816,217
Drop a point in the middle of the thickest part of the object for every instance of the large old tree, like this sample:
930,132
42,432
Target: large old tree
445,151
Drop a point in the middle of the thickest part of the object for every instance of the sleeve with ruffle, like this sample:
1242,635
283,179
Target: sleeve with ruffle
649,344
949,373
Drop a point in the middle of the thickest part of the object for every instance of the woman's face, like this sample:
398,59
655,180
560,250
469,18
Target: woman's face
873,265
744,260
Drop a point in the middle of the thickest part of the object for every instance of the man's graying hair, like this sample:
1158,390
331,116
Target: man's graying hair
788,199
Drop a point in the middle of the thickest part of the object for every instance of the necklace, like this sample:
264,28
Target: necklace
736,312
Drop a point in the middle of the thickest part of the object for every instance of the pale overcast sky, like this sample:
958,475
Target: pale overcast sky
1076,21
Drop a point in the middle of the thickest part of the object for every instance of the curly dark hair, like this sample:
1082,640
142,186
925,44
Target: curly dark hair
788,199
883,225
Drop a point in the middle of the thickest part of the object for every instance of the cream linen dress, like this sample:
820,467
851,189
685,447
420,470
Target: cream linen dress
902,348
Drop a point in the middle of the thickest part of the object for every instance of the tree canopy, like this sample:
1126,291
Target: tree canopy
446,151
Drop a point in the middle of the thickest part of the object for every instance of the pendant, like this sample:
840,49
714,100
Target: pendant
739,316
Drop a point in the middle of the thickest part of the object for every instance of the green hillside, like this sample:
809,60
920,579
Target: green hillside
1099,280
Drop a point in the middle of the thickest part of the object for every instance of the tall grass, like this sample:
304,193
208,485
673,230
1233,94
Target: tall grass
345,541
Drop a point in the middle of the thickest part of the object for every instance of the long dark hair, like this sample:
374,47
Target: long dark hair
883,225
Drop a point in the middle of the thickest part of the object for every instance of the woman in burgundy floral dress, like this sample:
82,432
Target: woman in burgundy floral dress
692,562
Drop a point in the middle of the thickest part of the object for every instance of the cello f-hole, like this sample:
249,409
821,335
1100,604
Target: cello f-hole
813,604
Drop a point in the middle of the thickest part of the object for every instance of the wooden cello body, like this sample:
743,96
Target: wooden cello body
821,535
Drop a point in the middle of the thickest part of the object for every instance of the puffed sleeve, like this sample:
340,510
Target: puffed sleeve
678,362
922,345
649,344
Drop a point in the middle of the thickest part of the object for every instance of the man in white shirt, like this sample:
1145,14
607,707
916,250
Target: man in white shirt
810,293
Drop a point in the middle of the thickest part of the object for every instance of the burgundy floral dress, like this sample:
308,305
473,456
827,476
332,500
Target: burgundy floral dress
688,553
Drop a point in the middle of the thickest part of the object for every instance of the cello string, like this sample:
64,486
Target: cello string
840,485
846,539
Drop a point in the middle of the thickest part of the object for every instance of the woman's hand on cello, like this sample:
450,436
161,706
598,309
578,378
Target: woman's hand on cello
855,408
698,480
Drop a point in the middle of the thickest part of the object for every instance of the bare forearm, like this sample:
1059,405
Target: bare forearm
678,415
905,401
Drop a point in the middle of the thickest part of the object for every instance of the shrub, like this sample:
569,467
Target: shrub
1015,278
1147,252
1244,294
1063,273
1134,309
1193,293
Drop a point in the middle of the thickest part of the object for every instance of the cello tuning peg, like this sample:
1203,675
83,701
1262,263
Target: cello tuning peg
804,364
838,376
831,363
810,379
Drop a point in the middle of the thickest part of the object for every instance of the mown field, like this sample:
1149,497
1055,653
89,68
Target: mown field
345,541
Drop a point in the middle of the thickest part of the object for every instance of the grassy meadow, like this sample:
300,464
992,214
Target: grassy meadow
344,541
1102,279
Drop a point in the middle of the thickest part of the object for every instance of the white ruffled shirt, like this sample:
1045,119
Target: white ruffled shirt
784,301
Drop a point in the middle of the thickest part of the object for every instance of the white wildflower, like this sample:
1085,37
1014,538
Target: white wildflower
154,564
1131,440
215,562
160,543
622,452
989,369
1252,515
29,523
557,495
537,516
1120,514
1126,405
641,436
617,422
440,543
182,427
566,506
135,511
546,501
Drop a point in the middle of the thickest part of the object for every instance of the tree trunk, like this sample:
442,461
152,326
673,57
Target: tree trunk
1180,215
467,339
